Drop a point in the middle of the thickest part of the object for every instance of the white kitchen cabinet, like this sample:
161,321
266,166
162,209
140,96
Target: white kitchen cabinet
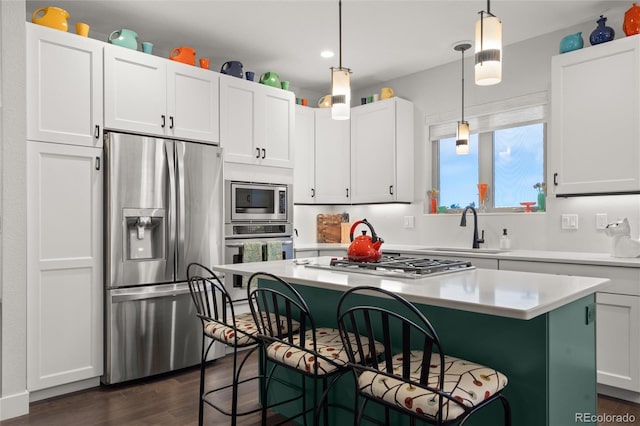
322,157
304,156
64,264
146,94
595,122
64,87
332,159
617,318
382,152
256,123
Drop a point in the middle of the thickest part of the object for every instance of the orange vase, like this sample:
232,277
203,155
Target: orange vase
631,24
434,205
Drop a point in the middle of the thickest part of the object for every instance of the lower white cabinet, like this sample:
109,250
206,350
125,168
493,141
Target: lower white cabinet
64,264
617,318
618,332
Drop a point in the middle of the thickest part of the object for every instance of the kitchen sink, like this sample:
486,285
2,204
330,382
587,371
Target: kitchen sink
465,250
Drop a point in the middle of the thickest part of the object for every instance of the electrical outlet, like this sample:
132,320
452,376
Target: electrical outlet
409,221
601,220
569,221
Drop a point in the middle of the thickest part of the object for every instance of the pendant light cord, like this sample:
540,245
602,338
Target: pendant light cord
462,50
340,30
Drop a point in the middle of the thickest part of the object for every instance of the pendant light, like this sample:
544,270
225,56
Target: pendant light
340,82
462,134
488,48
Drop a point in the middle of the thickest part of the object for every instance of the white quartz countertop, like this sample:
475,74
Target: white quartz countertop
580,258
520,295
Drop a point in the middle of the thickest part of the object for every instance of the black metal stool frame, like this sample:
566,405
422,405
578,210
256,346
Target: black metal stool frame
287,305
359,319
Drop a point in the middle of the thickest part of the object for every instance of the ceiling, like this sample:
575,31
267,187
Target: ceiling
382,40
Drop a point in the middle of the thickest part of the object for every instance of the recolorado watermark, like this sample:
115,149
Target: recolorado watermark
602,418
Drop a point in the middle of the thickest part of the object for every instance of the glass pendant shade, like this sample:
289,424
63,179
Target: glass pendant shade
340,93
462,138
488,50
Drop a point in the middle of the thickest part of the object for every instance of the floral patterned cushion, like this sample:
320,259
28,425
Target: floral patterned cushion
328,344
225,333
466,381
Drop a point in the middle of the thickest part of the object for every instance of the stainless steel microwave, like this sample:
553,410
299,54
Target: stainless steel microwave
258,202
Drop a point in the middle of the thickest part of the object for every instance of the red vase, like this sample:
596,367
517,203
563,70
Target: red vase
631,24
434,205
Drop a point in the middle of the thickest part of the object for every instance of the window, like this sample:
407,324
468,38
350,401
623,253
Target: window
510,160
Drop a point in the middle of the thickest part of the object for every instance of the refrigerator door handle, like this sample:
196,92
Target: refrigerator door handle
126,296
171,201
180,204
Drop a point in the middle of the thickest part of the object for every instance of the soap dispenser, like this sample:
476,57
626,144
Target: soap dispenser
505,242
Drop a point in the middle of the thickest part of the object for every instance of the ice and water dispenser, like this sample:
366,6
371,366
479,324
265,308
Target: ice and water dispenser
144,234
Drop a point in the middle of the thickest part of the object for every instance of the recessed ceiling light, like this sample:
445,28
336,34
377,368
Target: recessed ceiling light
327,54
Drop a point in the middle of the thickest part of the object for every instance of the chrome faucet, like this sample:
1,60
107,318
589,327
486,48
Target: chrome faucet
463,222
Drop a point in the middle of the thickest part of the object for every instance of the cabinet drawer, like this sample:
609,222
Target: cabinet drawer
623,280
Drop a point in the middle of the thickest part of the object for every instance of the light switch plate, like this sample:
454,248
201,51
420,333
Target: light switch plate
569,221
601,220
409,222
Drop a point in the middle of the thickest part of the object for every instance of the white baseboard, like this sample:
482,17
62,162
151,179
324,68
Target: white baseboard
619,393
64,389
14,405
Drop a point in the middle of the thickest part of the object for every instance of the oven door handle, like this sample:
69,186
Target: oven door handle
234,245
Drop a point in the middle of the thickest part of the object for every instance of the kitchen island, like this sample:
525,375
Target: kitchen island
538,329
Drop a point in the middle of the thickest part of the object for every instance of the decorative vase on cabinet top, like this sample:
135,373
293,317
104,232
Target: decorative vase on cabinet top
124,38
631,23
52,17
571,42
602,33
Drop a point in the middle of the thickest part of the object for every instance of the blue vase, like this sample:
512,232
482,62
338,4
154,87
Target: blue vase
571,42
602,33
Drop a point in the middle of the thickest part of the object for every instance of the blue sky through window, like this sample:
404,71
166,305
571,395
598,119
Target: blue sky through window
458,173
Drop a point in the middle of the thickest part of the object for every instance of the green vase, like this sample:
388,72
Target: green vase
541,202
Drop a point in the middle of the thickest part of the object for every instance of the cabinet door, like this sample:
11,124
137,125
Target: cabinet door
64,87
192,103
135,88
237,120
373,152
618,337
64,264
304,160
333,158
595,127
277,117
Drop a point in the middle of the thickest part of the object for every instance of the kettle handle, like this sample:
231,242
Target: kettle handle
111,37
374,236
225,66
35,12
174,52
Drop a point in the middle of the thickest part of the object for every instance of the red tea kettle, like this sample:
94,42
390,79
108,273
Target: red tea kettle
364,248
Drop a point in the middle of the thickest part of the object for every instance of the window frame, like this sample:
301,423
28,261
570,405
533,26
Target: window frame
486,151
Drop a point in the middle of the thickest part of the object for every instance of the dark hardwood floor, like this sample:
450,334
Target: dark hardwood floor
172,399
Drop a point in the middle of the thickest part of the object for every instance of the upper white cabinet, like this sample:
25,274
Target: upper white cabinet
333,159
64,264
322,158
304,158
64,87
256,123
150,95
382,152
595,127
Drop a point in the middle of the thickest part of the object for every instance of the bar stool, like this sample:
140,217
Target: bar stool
220,323
313,352
415,377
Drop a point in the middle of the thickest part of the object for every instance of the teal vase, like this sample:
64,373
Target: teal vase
542,201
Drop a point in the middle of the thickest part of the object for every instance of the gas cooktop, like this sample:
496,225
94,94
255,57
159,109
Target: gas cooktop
398,266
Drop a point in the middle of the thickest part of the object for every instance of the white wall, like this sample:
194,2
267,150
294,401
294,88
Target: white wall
436,93
14,399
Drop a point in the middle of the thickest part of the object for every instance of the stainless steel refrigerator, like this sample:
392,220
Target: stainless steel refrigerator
163,210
